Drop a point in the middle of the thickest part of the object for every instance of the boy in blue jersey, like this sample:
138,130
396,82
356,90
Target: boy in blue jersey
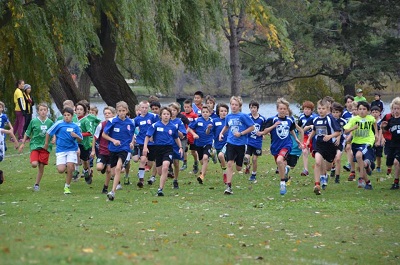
238,126
347,114
340,142
326,129
163,133
280,126
202,131
67,135
5,121
197,104
254,140
220,145
120,132
307,116
143,122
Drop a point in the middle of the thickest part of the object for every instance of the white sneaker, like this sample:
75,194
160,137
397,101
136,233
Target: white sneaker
36,188
119,187
228,191
111,196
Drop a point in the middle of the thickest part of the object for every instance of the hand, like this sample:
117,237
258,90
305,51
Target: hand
145,151
21,147
327,138
209,126
116,142
16,145
181,151
195,136
92,154
221,137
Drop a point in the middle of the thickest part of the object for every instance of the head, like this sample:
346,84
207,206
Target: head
42,109
187,106
165,114
20,84
323,107
153,99
144,107
80,109
254,106
155,107
395,107
93,110
282,106
67,113
68,103
377,96
137,109
122,109
359,92
210,102
109,112
2,107
348,101
236,104
198,98
205,112
337,110
354,108
222,110
376,112
175,107
363,108
27,88
308,107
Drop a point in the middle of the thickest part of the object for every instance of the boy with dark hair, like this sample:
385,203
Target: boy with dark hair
337,111
198,102
377,102
220,145
307,116
378,147
191,115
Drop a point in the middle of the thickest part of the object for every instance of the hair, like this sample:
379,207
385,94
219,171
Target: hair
290,112
155,104
2,104
221,105
329,99
188,102
348,97
167,109
175,105
207,108
354,104
80,103
363,103
84,101
323,102
41,104
153,98
377,94
282,101
18,82
67,110
68,103
337,107
308,104
375,108
199,93
122,104
137,106
110,108
395,101
238,99
254,103
210,98
94,108
144,102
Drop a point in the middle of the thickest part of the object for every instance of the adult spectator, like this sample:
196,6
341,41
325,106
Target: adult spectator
20,106
359,96
28,105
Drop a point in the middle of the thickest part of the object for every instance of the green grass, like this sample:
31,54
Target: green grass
196,224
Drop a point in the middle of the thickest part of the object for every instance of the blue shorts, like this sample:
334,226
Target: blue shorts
367,151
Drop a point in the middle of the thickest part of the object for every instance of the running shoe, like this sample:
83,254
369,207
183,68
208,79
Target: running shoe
160,192
67,190
200,179
151,180
304,173
228,191
183,167
175,184
140,183
111,196
282,189
317,190
253,178
395,186
36,187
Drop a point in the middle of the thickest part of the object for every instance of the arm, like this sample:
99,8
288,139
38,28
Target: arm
330,136
248,130
221,134
77,137
108,138
46,142
195,135
21,147
11,133
179,143
310,136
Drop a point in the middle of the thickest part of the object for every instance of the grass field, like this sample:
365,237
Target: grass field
196,224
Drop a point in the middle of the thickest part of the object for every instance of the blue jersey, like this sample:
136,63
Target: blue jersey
200,127
3,120
214,115
196,109
280,135
325,126
252,138
143,124
64,141
305,120
219,124
121,130
163,134
347,115
342,122
237,122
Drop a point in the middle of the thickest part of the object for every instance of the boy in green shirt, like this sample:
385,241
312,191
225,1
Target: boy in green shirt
36,131
364,126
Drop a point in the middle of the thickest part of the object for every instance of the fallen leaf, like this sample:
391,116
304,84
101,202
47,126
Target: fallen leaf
87,250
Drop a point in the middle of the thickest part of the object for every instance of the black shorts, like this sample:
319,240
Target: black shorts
292,160
136,151
391,155
163,153
251,150
85,153
378,151
151,155
326,149
192,147
204,150
235,153
104,159
115,156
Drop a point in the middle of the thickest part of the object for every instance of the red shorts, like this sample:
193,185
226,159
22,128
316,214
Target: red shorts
305,140
40,155
283,152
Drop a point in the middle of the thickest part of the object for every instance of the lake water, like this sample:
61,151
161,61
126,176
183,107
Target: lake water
267,109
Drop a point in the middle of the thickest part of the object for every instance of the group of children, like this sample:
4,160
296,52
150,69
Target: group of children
160,137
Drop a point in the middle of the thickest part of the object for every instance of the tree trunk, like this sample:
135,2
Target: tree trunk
105,74
349,90
84,84
58,94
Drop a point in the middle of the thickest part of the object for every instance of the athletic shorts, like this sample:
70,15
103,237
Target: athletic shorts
192,147
62,158
40,155
292,160
378,151
115,156
326,149
251,150
366,149
151,155
204,150
103,159
163,153
85,153
235,153
283,152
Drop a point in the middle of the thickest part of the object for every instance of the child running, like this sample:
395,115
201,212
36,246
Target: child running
304,118
36,132
191,115
220,145
337,111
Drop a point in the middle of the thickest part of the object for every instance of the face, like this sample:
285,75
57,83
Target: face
307,111
282,110
1,109
362,111
322,110
377,97
210,104
197,100
21,85
42,111
122,112
93,112
253,110
155,110
205,113
376,114
165,116
235,106
187,108
174,112
223,112
336,114
354,110
28,91
349,104
144,109
67,117
107,114
79,110
396,110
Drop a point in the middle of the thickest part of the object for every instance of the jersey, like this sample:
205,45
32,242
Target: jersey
280,135
304,119
181,128
191,117
364,133
394,128
163,134
252,138
121,130
64,141
143,123
86,127
103,143
219,125
237,122
36,131
347,115
387,135
342,122
325,126
3,120
196,109
94,121
200,127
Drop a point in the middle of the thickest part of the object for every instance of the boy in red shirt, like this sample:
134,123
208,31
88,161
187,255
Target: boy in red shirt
189,113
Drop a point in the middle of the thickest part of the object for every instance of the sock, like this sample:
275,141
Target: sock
77,167
283,182
184,162
141,173
229,184
66,185
196,163
317,183
254,173
337,176
368,182
353,172
389,170
127,175
105,187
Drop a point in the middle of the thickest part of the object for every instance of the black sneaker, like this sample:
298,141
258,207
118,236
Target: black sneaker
140,183
1,177
126,181
395,186
105,190
89,177
333,171
195,169
337,179
347,167
176,185
160,192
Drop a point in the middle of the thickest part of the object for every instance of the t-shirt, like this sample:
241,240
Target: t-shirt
325,126
86,126
163,134
64,141
200,126
364,133
280,135
181,128
304,119
18,95
143,123
36,131
347,115
358,99
394,128
191,117
3,120
103,143
237,122
121,130
252,138
219,125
